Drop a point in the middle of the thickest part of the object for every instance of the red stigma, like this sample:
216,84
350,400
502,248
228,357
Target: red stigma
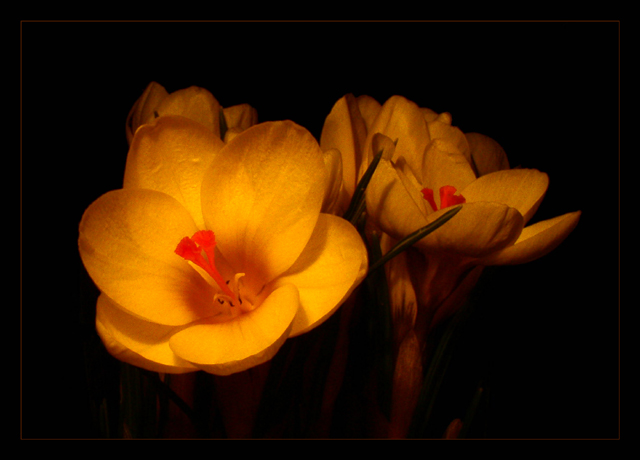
447,197
191,249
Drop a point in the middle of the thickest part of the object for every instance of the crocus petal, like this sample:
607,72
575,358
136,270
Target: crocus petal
391,205
536,240
195,103
331,266
127,241
402,120
522,189
344,129
441,128
478,229
444,165
336,199
136,341
143,110
248,340
485,154
171,155
240,117
429,115
369,109
262,197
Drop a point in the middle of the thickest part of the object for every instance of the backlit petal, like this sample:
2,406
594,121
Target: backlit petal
536,240
522,189
400,120
391,204
250,339
171,155
441,128
336,199
240,117
136,341
195,103
127,241
369,109
444,165
332,264
262,197
344,129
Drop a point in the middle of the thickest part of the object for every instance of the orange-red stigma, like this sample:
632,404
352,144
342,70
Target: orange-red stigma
448,197
191,249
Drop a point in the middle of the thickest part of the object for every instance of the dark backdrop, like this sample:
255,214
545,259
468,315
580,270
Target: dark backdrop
547,331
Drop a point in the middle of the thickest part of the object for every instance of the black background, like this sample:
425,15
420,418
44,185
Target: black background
548,92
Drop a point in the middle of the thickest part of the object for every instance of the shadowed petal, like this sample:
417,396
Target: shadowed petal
136,341
536,240
477,230
522,189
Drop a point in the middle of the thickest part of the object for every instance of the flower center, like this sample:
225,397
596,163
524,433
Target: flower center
199,249
448,197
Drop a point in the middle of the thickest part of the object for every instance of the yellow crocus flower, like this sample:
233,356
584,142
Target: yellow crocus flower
428,154
213,254
195,103
490,228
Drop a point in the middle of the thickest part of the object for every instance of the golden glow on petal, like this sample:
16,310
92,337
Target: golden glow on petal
262,197
332,264
195,103
397,210
336,199
127,241
248,340
136,341
344,129
240,117
171,155
441,128
536,240
444,166
400,120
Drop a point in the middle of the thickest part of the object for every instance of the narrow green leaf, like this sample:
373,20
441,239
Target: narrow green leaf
412,238
358,200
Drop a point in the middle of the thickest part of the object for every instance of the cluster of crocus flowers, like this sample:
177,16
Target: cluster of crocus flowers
228,236
428,166
215,250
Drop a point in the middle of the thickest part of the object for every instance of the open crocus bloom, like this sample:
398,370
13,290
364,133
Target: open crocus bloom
195,103
213,254
430,165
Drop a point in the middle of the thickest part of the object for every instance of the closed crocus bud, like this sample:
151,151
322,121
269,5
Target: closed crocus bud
194,103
